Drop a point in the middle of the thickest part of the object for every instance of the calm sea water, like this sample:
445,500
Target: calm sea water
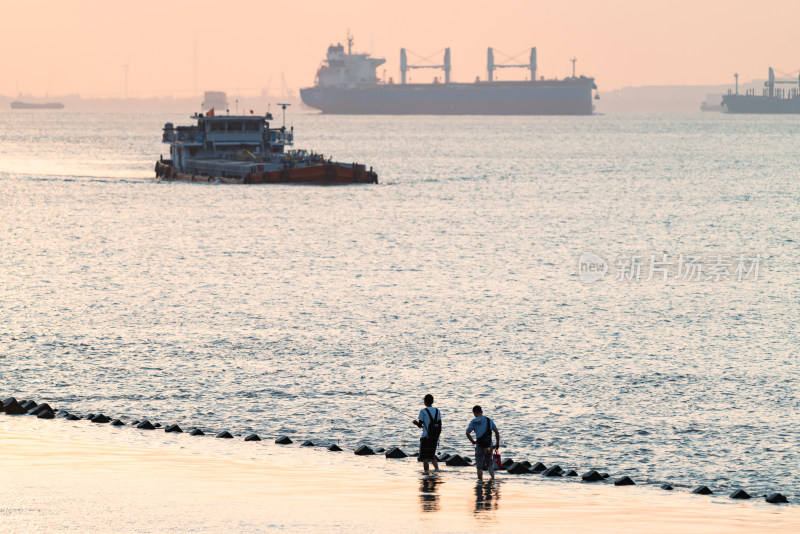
297,310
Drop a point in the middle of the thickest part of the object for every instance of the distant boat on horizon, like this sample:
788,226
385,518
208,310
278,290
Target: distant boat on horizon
17,104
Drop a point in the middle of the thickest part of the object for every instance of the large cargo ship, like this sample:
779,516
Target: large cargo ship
36,105
771,100
346,83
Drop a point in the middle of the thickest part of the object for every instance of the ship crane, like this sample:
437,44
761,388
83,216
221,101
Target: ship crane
770,84
405,67
491,65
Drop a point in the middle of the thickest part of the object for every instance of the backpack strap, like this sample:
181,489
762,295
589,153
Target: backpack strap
431,416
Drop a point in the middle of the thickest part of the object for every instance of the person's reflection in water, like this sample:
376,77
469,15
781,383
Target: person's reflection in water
428,493
487,498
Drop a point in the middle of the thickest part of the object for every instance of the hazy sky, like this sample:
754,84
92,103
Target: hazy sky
60,47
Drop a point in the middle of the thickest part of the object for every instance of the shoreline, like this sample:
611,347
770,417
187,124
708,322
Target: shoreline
77,476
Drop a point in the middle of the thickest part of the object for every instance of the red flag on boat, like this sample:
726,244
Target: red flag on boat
251,112
210,113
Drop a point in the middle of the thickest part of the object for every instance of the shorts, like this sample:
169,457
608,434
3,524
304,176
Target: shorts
483,456
427,448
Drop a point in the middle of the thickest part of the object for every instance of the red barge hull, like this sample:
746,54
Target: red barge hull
325,174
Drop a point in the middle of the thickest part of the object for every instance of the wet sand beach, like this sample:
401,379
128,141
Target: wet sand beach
60,476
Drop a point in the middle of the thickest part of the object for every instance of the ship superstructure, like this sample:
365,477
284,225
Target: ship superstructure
347,83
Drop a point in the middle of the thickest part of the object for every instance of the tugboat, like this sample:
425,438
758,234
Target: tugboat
236,149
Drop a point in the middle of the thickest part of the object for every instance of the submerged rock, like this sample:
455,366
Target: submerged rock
145,425
117,422
100,418
740,494
90,416
526,463
396,452
157,425
12,407
173,428
307,443
46,415
73,417
442,457
379,450
592,476
776,498
283,440
197,432
554,471
667,487
364,451
457,461
135,422
507,463
36,410
252,437
334,447
624,481
538,467
572,473
702,490
517,468
225,435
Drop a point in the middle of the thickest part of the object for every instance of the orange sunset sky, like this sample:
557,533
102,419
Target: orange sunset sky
57,47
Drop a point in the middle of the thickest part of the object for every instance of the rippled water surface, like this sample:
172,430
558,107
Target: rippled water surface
291,309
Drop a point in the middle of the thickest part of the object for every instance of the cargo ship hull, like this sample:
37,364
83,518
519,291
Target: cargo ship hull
547,97
733,103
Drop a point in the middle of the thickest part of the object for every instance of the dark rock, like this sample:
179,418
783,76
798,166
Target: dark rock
39,409
604,475
197,432
538,467
457,461
396,452
135,422
46,415
526,463
145,425
173,428
572,473
252,437
517,468
443,457
307,443
157,425
9,400
100,418
776,498
624,481
13,407
667,487
507,463
740,494
554,471
90,416
468,460
225,435
379,450
28,406
364,451
117,422
592,476
283,440
63,413
702,490
73,417
334,447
